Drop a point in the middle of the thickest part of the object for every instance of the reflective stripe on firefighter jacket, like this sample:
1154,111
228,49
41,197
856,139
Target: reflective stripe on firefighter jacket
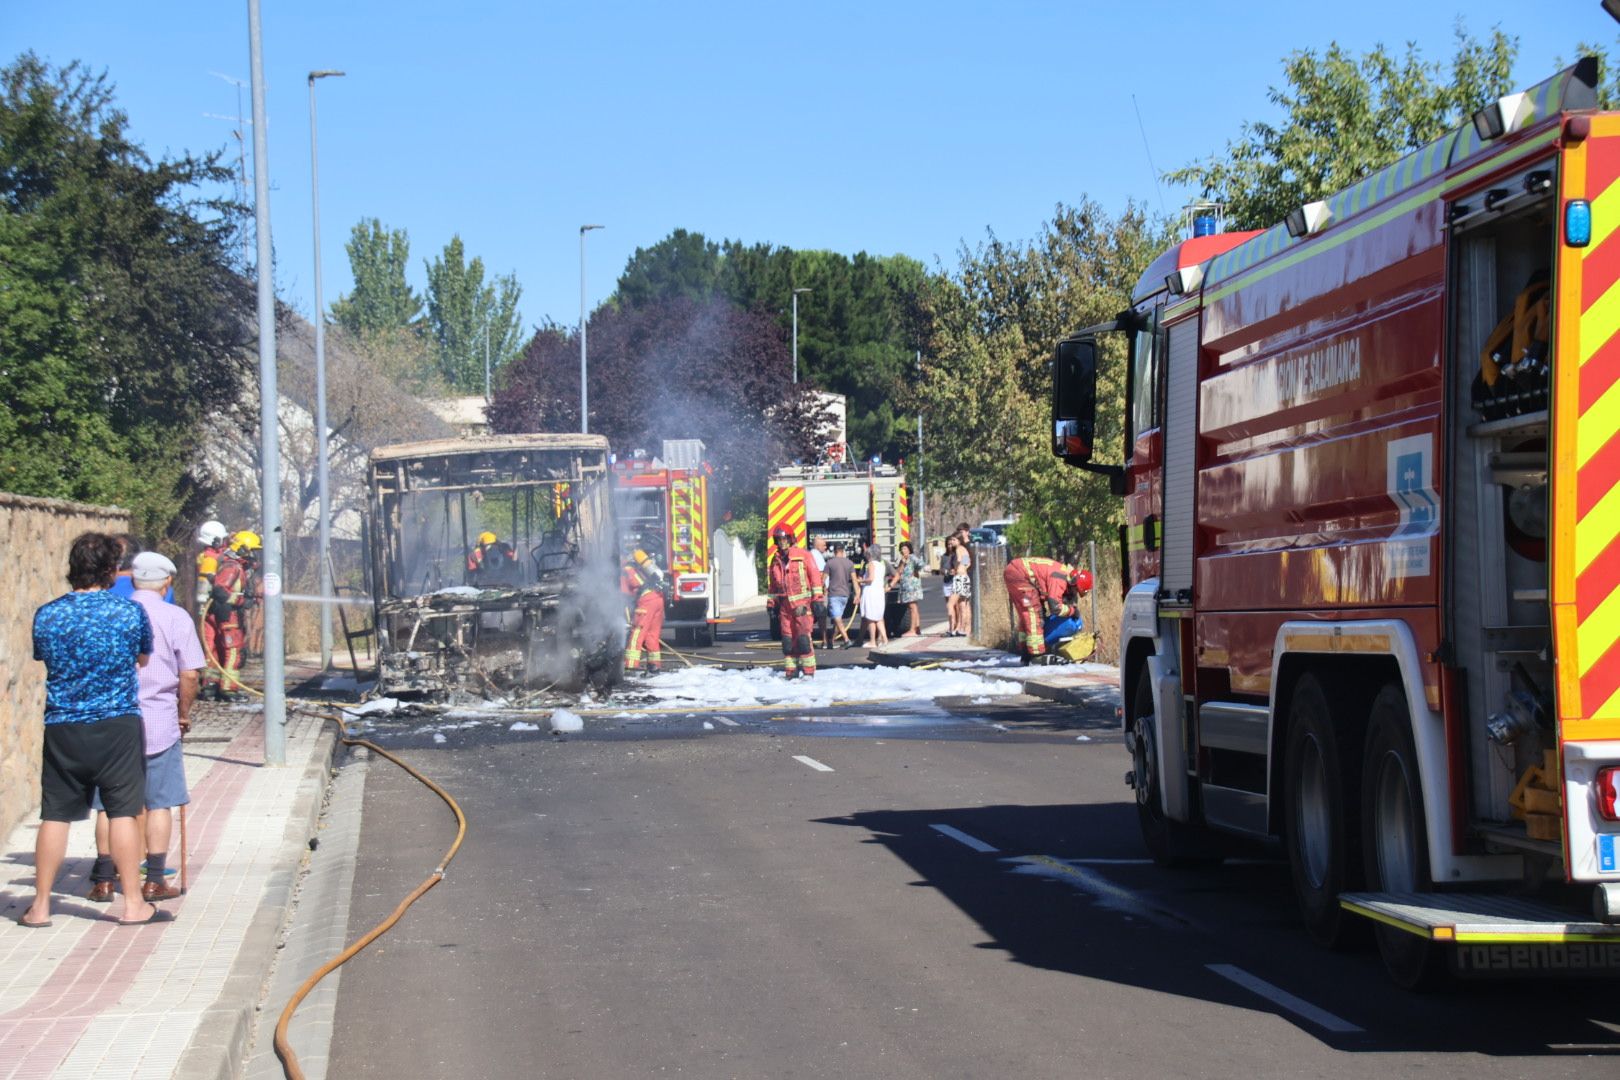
795,584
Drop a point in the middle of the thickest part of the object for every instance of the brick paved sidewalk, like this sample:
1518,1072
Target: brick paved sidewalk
89,998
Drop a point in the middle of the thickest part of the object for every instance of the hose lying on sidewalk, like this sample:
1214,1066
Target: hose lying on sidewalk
284,1050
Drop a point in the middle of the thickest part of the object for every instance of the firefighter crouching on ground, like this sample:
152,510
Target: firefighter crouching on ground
226,625
800,597
643,582
1038,588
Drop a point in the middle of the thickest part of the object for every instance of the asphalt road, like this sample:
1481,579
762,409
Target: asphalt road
954,891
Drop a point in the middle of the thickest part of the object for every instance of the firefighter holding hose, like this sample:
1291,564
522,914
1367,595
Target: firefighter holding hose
644,584
1038,588
799,596
229,597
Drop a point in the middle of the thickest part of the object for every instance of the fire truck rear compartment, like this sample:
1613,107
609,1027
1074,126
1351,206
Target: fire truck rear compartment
1501,245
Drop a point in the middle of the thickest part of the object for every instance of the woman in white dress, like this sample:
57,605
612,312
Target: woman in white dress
872,586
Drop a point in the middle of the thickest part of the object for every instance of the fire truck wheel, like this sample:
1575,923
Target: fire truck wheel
1171,843
1320,827
1394,836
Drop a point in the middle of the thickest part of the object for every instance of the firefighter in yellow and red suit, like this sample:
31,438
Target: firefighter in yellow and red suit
643,582
1039,588
231,593
214,537
798,593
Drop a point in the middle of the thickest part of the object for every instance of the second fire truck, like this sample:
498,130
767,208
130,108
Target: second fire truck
1372,553
662,505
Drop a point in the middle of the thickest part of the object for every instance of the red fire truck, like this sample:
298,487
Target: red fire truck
1372,543
662,507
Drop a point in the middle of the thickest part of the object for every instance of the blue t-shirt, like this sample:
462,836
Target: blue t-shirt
89,642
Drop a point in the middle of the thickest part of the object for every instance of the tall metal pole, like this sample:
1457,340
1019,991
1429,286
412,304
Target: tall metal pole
584,398
922,505
321,462
796,293
486,358
275,696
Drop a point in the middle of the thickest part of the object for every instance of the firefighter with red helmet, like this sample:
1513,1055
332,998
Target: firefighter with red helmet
225,627
798,594
642,581
1037,588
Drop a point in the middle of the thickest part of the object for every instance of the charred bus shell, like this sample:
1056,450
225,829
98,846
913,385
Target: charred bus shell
536,608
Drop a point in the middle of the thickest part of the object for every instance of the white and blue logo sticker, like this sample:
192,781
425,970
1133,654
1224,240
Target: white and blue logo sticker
1409,480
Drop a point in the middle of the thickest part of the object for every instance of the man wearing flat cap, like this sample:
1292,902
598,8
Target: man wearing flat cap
168,688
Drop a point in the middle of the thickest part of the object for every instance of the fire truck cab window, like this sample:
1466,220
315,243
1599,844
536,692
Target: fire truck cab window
1145,378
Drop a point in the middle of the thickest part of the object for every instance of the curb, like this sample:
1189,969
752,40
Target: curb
1085,695
1063,695
219,1048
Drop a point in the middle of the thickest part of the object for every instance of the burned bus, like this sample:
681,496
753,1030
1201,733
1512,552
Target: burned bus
493,565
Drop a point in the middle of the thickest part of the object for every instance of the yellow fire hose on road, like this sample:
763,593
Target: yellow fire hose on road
284,1050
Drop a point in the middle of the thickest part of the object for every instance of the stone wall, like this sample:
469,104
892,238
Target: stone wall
34,538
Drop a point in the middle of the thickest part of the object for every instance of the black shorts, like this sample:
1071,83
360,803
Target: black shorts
79,758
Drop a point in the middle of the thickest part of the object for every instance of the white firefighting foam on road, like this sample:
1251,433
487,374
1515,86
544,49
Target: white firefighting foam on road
721,688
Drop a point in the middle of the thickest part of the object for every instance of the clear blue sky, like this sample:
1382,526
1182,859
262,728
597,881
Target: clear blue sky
876,126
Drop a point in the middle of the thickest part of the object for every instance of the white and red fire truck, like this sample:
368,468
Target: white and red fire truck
857,504
662,507
1372,544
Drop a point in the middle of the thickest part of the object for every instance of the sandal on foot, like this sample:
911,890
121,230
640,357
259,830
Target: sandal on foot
159,915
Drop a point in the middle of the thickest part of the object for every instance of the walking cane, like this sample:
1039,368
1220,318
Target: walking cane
184,878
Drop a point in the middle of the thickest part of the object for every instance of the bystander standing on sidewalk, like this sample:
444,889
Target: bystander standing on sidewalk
91,643
168,688
908,579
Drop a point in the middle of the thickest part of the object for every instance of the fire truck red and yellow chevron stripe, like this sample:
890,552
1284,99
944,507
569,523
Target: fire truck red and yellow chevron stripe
785,509
903,509
1586,574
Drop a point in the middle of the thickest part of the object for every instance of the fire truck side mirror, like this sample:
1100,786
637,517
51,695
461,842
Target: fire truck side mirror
1074,399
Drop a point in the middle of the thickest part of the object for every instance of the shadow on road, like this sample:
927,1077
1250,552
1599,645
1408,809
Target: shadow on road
1069,889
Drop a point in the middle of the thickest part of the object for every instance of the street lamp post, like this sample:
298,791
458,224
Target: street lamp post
584,397
486,357
275,658
796,293
922,506
321,462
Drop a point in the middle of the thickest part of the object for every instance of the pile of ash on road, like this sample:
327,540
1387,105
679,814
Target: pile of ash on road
722,688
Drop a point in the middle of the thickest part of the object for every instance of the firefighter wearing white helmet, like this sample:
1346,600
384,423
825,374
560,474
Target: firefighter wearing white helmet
212,536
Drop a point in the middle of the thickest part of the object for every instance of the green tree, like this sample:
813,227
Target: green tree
1344,118
858,324
985,394
123,321
462,310
382,299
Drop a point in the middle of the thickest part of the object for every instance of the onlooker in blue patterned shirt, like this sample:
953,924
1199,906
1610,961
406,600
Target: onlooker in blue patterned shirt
91,642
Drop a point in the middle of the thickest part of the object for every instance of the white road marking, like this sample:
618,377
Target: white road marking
963,838
1284,1000
726,720
812,762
